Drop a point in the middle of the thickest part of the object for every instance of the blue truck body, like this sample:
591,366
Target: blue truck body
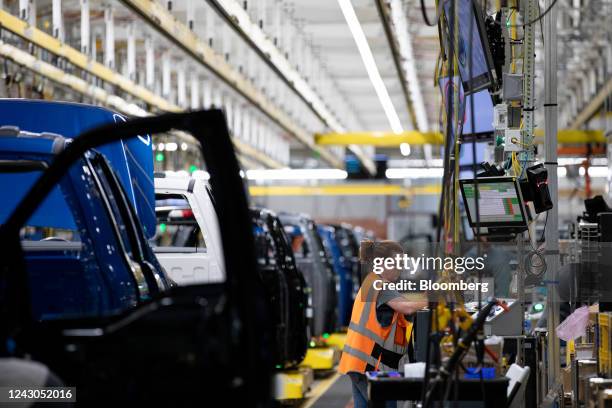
342,268
132,160
86,275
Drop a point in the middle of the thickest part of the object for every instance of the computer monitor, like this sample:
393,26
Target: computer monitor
483,108
500,204
480,74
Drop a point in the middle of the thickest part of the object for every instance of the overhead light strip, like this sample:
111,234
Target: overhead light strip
414,173
256,38
370,65
296,174
404,40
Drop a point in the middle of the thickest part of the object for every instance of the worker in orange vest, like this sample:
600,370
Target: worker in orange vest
378,333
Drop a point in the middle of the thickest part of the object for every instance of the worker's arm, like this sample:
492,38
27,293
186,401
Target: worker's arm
405,306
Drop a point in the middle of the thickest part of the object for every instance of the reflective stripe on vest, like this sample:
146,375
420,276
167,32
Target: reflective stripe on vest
360,355
364,331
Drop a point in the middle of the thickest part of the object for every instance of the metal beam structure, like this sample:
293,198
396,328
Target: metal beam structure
82,61
389,18
100,95
237,17
413,137
385,18
159,18
593,106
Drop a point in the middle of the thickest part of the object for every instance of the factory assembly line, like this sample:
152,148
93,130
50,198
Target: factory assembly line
308,203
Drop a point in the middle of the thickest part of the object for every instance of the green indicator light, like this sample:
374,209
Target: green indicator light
279,366
193,168
326,335
538,307
159,157
162,227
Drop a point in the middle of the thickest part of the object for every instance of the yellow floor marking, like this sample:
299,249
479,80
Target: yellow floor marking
319,390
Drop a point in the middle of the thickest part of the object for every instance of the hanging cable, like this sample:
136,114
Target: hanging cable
426,17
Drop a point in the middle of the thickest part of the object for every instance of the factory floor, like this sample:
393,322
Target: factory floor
331,392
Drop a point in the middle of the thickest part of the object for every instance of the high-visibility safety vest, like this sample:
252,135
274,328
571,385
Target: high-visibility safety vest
370,346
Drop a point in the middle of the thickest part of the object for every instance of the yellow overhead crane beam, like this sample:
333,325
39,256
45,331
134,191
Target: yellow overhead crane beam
349,189
80,60
380,139
413,137
574,136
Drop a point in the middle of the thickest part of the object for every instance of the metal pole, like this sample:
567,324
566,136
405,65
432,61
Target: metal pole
149,63
131,52
56,13
109,41
85,30
552,227
194,81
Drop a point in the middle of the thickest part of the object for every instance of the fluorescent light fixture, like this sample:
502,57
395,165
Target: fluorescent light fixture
561,172
405,149
296,174
171,147
595,172
568,161
599,171
415,163
370,64
414,173
599,161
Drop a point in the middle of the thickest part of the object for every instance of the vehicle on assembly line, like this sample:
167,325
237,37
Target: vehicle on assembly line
131,159
349,245
345,269
312,260
87,216
81,290
188,241
361,234
188,245
285,285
